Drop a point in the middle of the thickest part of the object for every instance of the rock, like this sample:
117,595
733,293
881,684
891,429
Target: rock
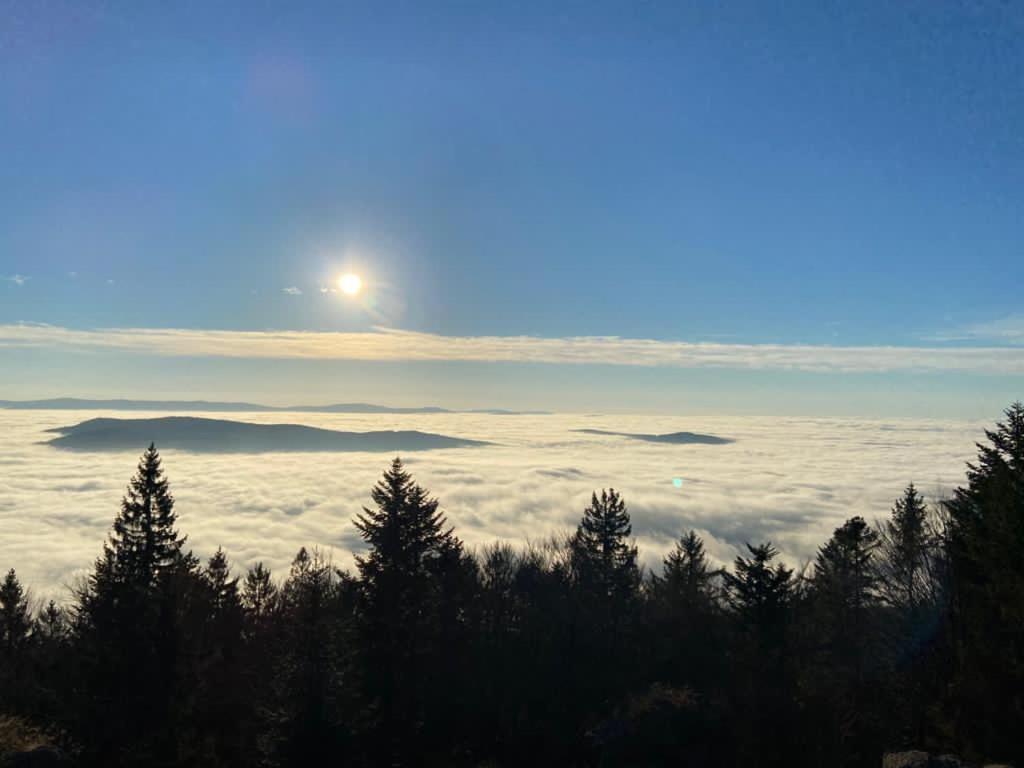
945,761
913,759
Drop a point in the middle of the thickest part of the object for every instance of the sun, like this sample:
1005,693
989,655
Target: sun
350,284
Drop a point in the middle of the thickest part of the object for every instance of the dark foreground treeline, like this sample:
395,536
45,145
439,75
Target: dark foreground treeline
907,633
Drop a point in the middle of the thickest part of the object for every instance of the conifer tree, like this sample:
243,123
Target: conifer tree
759,593
912,584
603,555
305,716
223,589
15,631
132,629
760,596
986,541
686,575
906,549
143,543
411,548
15,619
259,593
52,625
843,652
686,618
844,574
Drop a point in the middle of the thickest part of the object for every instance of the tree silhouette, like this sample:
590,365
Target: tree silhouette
603,556
15,631
129,620
843,654
410,548
686,617
760,597
986,542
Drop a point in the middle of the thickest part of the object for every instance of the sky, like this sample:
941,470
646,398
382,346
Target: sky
753,207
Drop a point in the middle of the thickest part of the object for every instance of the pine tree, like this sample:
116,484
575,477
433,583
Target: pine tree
143,543
758,593
684,608
223,589
912,584
404,533
844,575
686,576
15,632
760,597
136,630
411,549
52,624
906,549
15,619
986,539
603,556
259,594
843,649
305,712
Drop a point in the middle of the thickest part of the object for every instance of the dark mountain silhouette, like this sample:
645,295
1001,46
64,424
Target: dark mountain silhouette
220,436
676,438
79,404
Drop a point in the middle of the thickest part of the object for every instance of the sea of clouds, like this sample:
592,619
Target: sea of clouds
790,480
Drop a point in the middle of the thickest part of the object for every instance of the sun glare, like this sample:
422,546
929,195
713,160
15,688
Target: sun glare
350,284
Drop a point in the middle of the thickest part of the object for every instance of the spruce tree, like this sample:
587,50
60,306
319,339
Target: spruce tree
15,619
912,584
844,574
143,543
684,609
305,711
843,660
986,520
686,576
411,551
135,631
15,632
906,552
259,595
758,592
760,596
603,554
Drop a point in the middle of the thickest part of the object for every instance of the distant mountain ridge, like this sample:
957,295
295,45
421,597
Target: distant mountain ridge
201,435
81,404
675,438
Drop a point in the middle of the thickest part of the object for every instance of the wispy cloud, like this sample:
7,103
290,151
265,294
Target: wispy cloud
385,344
1007,330
292,290
18,280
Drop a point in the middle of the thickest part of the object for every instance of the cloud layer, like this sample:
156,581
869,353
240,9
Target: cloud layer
1007,330
383,344
785,479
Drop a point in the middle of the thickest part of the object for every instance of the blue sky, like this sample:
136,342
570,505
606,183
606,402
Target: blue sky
814,174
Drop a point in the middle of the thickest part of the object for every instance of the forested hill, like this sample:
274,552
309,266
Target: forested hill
220,436
903,632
